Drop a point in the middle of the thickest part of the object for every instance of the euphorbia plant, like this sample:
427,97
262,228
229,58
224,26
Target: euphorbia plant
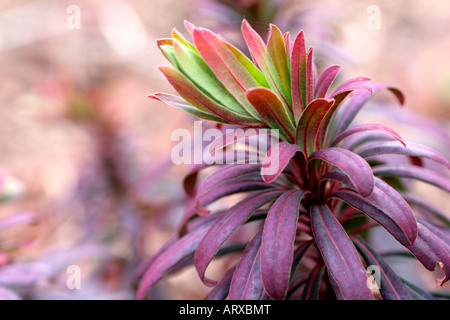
334,180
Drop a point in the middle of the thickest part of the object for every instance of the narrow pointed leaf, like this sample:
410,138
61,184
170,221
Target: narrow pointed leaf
413,172
224,226
271,110
187,90
356,168
246,283
277,243
386,207
298,75
325,80
277,51
367,127
339,254
248,65
262,58
351,85
430,251
309,124
196,69
225,66
277,159
412,149
391,286
310,70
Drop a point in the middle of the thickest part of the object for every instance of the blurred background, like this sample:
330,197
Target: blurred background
85,171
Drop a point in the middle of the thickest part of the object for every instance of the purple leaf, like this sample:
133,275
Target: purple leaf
277,52
277,159
367,127
298,75
278,241
339,254
181,104
309,124
353,166
182,248
224,226
272,111
431,252
413,172
412,149
246,283
391,286
386,207
325,80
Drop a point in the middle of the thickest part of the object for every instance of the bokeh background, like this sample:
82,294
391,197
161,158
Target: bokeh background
85,171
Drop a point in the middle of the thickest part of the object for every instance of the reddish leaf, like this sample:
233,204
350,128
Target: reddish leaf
309,124
386,207
278,241
431,252
277,159
339,254
179,103
262,58
325,80
271,110
277,51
